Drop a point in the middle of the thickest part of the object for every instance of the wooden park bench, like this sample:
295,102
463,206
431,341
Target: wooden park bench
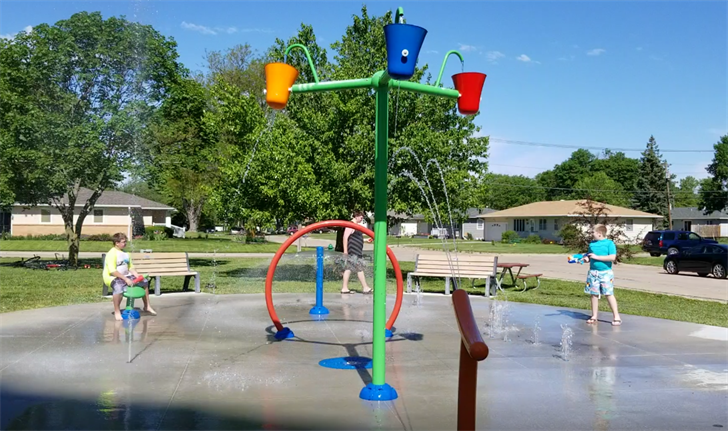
158,265
473,266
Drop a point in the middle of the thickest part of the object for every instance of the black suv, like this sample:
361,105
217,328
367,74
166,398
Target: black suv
659,242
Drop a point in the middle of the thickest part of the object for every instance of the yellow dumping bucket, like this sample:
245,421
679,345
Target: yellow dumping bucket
279,77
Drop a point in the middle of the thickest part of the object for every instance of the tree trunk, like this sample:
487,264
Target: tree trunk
73,240
193,210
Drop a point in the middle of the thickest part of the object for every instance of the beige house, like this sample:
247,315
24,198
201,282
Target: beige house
114,212
547,218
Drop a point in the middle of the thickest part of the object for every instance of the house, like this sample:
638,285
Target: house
405,225
114,212
692,219
546,219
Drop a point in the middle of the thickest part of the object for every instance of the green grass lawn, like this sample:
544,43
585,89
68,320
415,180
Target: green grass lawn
192,245
23,288
647,260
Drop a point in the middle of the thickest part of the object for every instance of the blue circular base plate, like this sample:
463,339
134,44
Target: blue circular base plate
130,314
388,333
372,392
319,310
347,363
284,333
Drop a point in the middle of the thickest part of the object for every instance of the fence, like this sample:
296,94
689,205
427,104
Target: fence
706,230
472,350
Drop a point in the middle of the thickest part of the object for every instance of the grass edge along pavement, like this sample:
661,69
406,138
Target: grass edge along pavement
190,245
22,288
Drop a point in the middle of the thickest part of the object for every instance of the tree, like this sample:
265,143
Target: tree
714,192
74,98
686,195
568,173
500,192
652,182
601,188
620,168
239,67
342,124
183,152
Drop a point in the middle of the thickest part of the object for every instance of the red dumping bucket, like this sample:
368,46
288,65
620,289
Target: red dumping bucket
470,87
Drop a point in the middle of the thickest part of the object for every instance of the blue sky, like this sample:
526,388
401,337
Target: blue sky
605,74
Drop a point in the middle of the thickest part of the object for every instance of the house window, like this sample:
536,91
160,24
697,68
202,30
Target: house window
542,224
98,216
629,225
556,225
519,225
480,224
709,222
45,216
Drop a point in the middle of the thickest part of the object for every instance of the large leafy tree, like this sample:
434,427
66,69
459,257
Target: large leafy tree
620,168
342,125
74,98
600,187
652,182
686,194
500,192
714,191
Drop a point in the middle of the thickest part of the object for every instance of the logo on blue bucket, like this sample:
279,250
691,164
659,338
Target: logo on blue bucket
403,47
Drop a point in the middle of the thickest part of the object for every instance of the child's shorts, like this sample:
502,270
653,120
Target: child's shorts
119,286
600,282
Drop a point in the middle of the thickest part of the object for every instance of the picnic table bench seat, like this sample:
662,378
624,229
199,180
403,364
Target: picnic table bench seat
158,265
473,266
525,277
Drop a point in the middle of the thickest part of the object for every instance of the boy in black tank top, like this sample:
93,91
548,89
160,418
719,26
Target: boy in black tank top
354,253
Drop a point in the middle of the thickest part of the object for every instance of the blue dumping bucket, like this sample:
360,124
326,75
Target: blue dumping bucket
403,47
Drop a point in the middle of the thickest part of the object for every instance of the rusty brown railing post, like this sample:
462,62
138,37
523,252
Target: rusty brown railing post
472,350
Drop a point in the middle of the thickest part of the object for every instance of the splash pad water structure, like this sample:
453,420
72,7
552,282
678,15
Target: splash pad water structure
404,42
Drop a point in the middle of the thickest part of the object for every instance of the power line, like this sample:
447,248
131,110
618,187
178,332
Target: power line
578,147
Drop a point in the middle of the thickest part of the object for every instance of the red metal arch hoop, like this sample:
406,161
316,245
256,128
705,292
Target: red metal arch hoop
318,225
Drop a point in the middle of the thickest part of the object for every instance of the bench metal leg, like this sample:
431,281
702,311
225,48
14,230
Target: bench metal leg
157,286
447,285
104,290
197,283
186,286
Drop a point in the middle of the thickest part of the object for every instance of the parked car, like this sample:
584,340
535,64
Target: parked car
703,259
292,229
659,242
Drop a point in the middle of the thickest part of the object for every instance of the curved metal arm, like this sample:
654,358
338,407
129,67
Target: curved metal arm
308,56
444,61
399,16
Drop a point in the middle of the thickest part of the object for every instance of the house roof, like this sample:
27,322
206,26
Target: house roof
569,208
470,213
693,213
114,198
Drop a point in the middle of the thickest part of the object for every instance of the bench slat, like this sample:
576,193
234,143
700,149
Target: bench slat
168,273
159,255
488,265
161,265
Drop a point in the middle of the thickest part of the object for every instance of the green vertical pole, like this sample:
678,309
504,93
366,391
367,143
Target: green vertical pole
378,389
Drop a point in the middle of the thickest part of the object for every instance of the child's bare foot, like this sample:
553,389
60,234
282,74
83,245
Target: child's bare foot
117,315
151,311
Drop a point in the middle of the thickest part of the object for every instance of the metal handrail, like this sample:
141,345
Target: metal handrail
472,350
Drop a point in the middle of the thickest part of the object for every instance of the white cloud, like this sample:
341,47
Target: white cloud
228,30
198,28
596,51
467,48
493,56
526,59
27,29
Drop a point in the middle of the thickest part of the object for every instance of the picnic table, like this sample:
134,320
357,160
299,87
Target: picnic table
508,266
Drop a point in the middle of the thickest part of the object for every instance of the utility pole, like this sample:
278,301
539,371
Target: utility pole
669,202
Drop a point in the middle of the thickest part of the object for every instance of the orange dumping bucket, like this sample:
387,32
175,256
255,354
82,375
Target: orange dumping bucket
279,77
470,87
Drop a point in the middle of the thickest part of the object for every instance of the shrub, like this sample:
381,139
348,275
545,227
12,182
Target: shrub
570,234
100,237
548,241
156,233
510,237
533,239
469,236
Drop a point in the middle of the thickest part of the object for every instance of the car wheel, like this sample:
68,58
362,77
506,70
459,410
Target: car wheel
655,254
671,267
672,250
719,271
703,274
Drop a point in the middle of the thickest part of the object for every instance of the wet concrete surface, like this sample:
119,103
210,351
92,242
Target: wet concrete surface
210,362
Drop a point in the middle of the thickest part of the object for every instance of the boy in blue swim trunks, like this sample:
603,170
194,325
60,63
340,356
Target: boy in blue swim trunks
600,280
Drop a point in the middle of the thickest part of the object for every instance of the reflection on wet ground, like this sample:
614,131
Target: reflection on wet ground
210,362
